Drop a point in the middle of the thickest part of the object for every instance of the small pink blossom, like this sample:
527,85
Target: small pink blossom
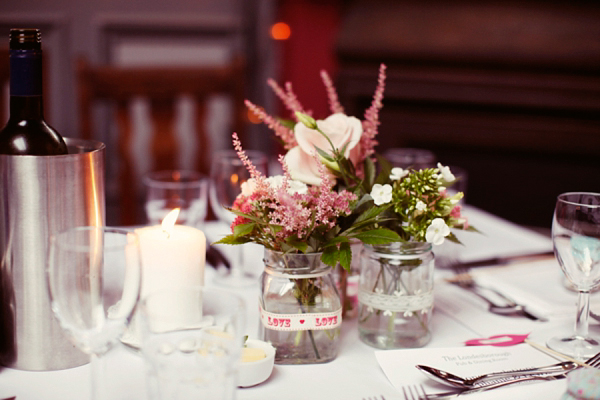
455,213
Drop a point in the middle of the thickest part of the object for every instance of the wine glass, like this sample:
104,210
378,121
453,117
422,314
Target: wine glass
576,238
227,174
94,277
183,189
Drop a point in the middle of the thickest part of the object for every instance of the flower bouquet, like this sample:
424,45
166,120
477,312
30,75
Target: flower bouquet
307,219
396,282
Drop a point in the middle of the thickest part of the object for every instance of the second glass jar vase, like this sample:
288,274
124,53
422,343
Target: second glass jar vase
396,295
300,308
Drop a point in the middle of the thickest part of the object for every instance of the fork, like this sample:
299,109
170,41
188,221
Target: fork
414,392
420,393
463,279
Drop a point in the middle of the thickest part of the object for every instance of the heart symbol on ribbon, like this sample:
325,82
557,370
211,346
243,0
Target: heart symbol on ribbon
301,321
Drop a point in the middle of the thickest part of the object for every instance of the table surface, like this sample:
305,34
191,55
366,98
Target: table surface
355,373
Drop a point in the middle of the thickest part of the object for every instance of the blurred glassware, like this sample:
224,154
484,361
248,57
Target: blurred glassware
576,238
405,157
227,175
193,354
448,253
461,183
94,278
183,189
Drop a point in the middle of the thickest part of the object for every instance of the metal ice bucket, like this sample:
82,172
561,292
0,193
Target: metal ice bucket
39,196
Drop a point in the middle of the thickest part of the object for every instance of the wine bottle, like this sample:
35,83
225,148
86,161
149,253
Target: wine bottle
26,132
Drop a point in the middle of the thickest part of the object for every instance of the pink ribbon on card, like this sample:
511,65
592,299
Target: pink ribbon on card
498,340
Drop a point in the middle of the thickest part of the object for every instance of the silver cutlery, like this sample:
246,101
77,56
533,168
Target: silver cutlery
556,371
496,261
485,386
463,279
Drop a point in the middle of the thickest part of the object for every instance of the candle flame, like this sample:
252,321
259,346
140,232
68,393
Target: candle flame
168,222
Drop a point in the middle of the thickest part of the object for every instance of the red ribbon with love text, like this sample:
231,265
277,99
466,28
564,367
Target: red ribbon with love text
301,322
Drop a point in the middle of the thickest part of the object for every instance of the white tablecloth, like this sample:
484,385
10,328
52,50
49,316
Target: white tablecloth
355,373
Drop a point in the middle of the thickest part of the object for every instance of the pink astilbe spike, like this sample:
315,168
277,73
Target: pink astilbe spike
334,103
371,122
284,166
237,145
287,96
284,133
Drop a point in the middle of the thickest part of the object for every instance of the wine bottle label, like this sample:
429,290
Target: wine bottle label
25,73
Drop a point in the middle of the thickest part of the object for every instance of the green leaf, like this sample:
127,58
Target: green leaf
385,167
452,237
324,154
243,229
369,174
473,229
378,236
288,123
338,239
231,239
370,213
330,256
345,255
297,244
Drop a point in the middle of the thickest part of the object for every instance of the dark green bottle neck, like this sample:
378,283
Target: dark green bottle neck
26,108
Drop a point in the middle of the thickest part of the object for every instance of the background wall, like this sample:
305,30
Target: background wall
510,91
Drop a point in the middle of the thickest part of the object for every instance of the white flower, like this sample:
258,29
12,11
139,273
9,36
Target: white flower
276,182
447,175
437,231
387,313
398,173
421,206
381,194
408,314
248,187
297,187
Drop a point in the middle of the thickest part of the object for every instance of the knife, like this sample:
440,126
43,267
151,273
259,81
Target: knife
215,258
507,260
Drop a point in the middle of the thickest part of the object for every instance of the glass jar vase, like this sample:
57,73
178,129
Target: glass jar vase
396,295
300,308
346,282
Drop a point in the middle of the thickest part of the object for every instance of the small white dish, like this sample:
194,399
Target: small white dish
255,372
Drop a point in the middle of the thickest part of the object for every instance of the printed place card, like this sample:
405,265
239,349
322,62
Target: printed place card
399,365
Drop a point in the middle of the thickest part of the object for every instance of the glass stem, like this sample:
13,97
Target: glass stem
583,314
99,383
237,266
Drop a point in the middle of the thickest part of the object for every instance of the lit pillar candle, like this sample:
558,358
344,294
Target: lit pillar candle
173,256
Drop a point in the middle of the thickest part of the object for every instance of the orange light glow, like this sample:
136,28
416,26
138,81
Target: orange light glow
280,31
234,179
253,118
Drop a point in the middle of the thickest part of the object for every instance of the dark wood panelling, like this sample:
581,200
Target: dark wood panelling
509,91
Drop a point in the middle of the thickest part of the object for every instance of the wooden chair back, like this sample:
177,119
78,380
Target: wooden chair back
162,87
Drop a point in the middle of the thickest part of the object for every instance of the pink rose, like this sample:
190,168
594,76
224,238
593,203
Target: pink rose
339,128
